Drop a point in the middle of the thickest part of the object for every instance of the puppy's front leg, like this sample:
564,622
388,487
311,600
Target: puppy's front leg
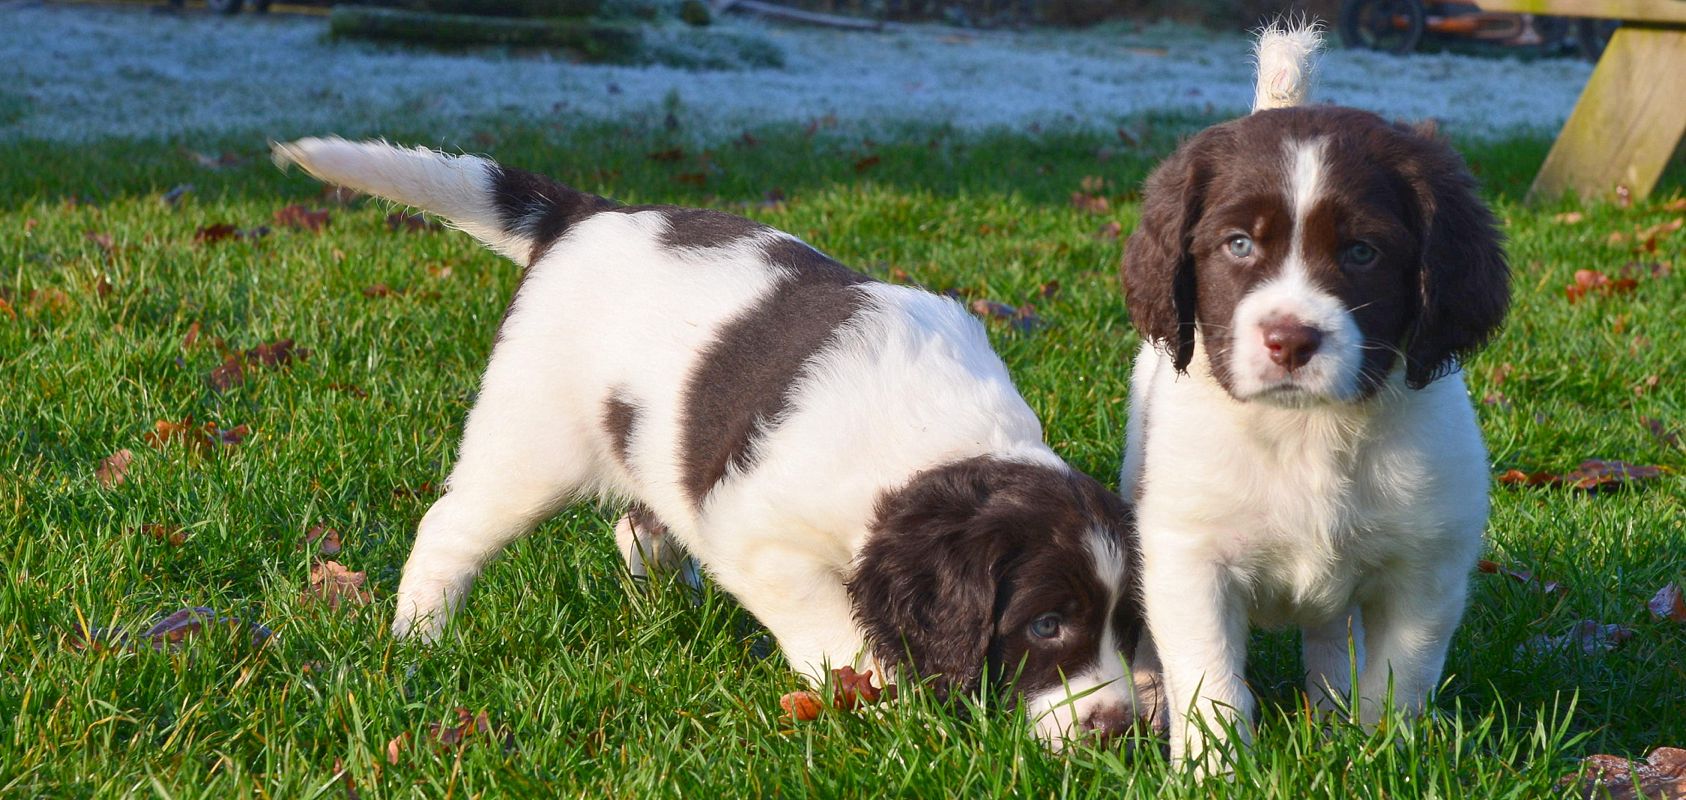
1408,626
1199,626
802,602
1329,651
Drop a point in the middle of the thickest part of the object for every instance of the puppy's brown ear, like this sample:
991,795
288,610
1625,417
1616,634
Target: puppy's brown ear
1158,269
1464,279
925,585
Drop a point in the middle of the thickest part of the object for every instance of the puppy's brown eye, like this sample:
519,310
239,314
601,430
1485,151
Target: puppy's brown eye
1359,254
1239,246
1046,626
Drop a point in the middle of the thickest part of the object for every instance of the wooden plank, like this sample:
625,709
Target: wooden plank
1629,120
1662,11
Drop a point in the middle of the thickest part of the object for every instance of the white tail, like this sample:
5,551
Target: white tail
1285,52
460,189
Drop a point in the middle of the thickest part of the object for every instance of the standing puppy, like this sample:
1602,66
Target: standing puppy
848,458
1301,448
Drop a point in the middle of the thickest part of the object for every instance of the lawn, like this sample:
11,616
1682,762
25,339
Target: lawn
115,318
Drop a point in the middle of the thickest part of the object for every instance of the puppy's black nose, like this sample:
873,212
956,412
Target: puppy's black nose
1108,726
1291,343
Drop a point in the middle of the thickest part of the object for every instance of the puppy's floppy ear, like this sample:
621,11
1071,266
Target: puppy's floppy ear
1158,269
1463,279
926,584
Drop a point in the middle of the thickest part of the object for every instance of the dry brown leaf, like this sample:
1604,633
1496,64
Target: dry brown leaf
229,374
1023,317
114,469
469,729
102,240
1661,431
172,535
396,747
692,178
332,583
1092,203
192,336
1521,576
1589,281
325,539
301,218
414,223
867,162
802,706
1568,217
1111,231
1661,776
380,290
170,632
1592,475
1588,636
1668,604
670,154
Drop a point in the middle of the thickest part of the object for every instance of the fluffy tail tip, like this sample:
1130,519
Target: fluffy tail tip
1285,52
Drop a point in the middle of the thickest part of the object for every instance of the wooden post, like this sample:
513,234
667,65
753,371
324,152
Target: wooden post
1629,120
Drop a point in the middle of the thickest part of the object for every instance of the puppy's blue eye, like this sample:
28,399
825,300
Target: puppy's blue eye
1240,246
1046,626
1359,254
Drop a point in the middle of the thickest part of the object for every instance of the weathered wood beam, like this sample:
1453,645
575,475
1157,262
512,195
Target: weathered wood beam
1661,11
1628,122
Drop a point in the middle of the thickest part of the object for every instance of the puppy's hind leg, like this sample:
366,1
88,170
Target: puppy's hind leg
649,548
521,461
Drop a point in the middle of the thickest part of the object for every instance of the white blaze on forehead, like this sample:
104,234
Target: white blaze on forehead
1058,712
1108,563
1305,176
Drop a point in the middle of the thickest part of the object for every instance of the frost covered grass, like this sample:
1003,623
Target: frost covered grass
599,687
81,73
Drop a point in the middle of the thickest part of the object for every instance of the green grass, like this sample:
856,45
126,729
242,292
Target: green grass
609,689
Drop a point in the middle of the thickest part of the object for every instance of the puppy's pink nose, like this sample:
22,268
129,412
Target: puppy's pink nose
1291,342
1108,725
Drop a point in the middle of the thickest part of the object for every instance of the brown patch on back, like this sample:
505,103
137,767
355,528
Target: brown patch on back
742,383
619,417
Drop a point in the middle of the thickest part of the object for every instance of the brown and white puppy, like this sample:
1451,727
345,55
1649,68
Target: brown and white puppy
1301,447
846,457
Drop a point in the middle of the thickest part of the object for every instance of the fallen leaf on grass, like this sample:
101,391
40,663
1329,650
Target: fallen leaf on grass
1110,231
1675,205
172,535
469,729
414,223
692,178
1661,776
169,633
301,218
325,539
1022,318
1661,431
196,438
1569,217
670,154
867,162
850,690
191,338
380,290
347,388
1592,475
332,583
1667,603
102,240
114,469
269,355
223,231
345,779
1047,290
802,706
1092,203
1588,636
1588,281
1521,576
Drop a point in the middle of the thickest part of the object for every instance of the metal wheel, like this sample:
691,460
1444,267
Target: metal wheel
1391,26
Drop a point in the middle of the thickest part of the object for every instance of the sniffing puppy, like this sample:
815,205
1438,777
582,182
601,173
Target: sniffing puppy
848,458
1301,448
